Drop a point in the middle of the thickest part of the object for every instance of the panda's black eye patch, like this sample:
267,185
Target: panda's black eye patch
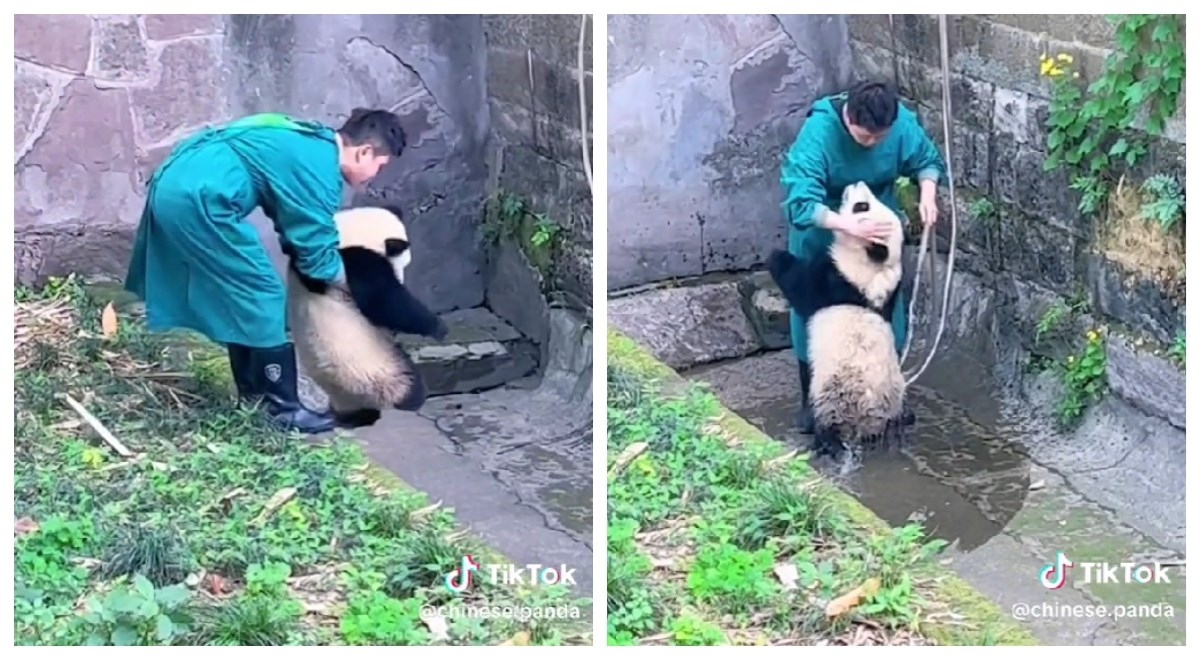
394,247
861,207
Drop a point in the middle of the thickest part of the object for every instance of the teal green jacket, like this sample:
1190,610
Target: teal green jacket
825,159
198,263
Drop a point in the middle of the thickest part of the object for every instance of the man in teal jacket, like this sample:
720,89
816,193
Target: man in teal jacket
198,263
867,135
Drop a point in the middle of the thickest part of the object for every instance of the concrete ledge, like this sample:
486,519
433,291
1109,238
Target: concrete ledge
947,588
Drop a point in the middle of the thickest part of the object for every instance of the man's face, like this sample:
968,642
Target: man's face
364,165
866,138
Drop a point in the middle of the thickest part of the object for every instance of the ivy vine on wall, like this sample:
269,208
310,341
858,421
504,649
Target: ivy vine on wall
1091,129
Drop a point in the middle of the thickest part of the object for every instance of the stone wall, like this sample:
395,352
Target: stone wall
533,93
1000,105
100,100
700,112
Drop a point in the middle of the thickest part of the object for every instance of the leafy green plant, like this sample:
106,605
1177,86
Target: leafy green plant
631,605
510,216
983,208
1163,200
690,630
264,614
155,553
544,230
1084,379
730,577
374,619
136,614
1178,350
1091,129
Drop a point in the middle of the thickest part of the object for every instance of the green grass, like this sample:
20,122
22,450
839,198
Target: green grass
221,531
717,537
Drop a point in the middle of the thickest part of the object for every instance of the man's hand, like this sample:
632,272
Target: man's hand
870,230
927,207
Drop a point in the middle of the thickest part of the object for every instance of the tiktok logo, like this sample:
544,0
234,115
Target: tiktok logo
1054,576
459,579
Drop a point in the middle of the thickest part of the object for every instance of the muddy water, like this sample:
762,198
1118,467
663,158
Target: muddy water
965,474
963,481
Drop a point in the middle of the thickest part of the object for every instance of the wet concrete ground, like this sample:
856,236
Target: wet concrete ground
985,474
514,463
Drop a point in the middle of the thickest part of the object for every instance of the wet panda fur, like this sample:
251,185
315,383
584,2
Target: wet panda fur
345,343
848,294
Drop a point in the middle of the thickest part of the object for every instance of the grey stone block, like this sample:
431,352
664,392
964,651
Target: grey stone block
686,326
767,310
480,352
1148,382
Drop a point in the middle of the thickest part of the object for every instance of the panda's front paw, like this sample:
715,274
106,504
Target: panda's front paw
440,331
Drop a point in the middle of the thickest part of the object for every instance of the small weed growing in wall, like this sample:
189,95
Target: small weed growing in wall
983,209
1083,379
509,216
1178,351
906,197
1057,316
1162,200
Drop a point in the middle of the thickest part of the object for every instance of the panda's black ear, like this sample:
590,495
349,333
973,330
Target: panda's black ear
394,247
861,207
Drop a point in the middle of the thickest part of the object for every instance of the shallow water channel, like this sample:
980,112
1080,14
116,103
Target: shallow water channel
964,473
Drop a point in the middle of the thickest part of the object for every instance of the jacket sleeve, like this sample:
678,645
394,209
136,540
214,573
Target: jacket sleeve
805,178
920,159
306,201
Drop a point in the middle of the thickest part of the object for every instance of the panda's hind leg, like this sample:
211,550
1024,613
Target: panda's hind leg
348,410
357,419
827,441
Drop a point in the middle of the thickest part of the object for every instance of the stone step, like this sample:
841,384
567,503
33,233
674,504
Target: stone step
480,352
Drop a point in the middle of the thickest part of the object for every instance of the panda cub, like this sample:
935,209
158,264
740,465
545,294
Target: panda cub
848,294
346,343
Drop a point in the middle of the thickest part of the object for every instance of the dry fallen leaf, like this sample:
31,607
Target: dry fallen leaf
421,514
520,639
277,500
439,630
788,575
108,321
22,526
627,456
844,603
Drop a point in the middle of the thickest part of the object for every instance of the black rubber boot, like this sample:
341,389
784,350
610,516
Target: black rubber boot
806,422
242,365
275,377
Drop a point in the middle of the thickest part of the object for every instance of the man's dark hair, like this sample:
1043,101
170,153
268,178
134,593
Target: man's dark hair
872,105
378,128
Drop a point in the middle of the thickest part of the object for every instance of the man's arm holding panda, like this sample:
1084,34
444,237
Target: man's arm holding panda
805,179
305,206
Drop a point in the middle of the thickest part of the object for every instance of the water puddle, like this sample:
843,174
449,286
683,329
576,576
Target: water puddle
965,472
963,481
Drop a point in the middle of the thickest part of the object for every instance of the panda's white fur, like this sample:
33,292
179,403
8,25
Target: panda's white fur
357,364
857,383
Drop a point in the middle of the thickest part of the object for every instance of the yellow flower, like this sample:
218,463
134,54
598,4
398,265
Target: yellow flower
1064,57
1050,69
1092,335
